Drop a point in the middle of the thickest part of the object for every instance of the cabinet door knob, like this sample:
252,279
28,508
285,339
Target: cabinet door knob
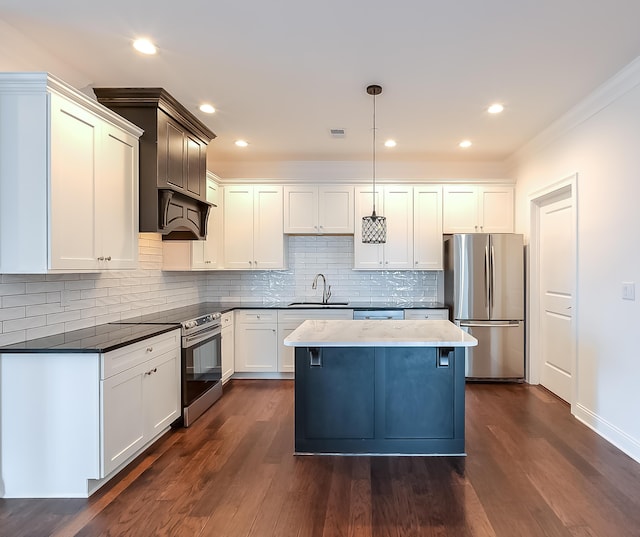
108,258
101,258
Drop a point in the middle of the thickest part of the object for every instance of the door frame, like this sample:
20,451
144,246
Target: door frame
537,200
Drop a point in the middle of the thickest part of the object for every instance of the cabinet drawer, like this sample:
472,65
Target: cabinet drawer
424,314
257,316
227,319
137,353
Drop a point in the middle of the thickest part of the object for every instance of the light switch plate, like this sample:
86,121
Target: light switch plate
628,290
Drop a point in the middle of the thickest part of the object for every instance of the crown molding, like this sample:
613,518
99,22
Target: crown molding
613,89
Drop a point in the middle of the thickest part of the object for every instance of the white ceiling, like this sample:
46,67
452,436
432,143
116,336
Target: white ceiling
281,73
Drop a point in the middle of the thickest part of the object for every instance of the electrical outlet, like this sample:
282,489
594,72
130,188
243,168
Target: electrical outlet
628,290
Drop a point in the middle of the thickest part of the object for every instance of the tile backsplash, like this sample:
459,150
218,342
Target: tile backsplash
33,306
333,257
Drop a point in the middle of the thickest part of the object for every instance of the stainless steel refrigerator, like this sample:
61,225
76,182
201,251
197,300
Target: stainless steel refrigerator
484,287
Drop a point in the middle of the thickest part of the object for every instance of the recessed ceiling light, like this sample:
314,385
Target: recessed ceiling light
465,143
495,108
207,108
241,143
390,143
145,46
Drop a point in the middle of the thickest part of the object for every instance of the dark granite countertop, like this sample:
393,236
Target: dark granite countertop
107,337
178,315
97,339
188,312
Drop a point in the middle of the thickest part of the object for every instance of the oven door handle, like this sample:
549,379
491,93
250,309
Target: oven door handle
194,339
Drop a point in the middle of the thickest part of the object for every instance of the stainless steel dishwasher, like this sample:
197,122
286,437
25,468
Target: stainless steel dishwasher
378,315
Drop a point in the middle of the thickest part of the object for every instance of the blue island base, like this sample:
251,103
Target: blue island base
379,400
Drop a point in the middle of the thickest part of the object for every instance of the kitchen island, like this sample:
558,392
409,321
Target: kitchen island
379,387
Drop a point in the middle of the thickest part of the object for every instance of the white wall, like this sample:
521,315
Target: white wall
600,141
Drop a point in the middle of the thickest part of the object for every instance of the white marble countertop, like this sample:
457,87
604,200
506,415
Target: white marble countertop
436,333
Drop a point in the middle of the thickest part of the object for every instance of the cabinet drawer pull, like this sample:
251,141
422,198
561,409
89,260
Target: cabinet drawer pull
149,349
154,370
108,258
101,258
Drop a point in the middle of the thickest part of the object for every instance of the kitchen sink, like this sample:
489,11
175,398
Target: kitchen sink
317,305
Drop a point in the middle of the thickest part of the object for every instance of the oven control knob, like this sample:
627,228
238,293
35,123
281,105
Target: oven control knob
190,324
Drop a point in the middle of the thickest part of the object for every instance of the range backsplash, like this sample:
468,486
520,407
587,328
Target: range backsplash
35,305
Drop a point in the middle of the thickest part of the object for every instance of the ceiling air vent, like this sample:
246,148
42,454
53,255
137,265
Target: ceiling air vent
337,133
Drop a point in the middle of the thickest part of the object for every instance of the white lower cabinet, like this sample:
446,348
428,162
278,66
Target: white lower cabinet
289,320
256,343
69,421
140,402
426,314
228,344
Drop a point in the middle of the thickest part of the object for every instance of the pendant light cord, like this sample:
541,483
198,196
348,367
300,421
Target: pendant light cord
374,156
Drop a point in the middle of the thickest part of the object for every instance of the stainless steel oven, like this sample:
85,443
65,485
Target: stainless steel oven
201,365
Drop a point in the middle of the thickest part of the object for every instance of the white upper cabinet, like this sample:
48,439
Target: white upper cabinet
478,209
311,210
199,255
253,236
395,203
427,227
68,180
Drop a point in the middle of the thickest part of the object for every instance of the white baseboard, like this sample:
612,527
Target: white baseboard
608,431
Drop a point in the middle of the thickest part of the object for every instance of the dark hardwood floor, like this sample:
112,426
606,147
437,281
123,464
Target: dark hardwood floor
531,470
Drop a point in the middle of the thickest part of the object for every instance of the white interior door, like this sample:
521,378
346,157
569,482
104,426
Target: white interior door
556,287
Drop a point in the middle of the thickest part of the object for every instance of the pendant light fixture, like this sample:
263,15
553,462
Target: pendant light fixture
374,227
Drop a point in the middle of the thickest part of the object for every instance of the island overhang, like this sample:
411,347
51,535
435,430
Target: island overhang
387,333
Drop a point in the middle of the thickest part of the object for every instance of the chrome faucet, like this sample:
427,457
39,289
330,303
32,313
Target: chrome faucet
326,291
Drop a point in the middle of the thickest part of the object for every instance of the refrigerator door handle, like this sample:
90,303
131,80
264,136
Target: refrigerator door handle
487,270
492,281
490,323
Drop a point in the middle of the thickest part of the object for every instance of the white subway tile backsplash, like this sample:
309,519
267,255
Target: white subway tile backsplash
93,293
79,324
12,301
63,317
41,305
77,285
44,287
12,313
12,278
24,323
7,289
43,309
7,338
44,331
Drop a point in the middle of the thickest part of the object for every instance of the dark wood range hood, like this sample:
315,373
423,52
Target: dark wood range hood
173,161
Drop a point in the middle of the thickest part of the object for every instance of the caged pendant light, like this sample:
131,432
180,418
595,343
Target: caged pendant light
374,227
